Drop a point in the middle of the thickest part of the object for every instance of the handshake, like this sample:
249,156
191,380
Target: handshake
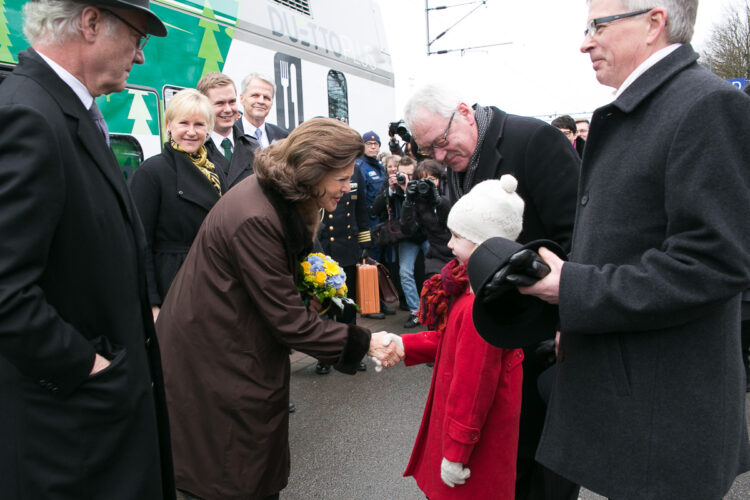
386,350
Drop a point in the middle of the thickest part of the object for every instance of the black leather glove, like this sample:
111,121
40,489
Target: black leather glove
524,268
434,198
411,191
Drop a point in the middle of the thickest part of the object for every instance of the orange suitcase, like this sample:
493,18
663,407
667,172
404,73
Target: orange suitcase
368,294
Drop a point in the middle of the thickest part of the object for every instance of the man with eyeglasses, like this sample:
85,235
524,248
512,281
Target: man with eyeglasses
649,399
483,142
83,413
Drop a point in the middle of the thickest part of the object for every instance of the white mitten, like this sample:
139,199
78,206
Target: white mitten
387,339
453,473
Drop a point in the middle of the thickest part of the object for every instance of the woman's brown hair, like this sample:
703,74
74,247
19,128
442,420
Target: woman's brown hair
296,165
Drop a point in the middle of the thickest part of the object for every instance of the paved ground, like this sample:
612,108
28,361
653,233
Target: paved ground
351,436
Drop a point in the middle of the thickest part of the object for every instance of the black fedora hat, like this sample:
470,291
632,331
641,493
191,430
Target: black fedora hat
155,26
512,320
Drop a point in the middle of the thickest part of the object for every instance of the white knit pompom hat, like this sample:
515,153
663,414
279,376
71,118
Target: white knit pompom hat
492,208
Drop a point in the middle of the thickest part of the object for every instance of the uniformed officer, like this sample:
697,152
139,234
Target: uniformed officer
344,234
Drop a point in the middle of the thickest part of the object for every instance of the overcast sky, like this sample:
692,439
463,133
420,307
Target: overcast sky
540,73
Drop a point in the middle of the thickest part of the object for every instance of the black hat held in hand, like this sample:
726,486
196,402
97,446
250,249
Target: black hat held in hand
512,320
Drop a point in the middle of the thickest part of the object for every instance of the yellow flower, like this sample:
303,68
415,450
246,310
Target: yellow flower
331,268
320,278
306,267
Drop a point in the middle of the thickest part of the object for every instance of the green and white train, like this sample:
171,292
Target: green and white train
328,58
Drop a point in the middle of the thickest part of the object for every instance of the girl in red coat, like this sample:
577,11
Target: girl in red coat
466,446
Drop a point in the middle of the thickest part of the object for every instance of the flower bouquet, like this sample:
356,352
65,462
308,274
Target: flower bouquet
323,278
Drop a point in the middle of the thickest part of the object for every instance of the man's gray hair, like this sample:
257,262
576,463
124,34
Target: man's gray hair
432,98
260,76
680,16
55,21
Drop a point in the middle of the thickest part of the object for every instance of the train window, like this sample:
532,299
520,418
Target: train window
133,113
128,152
167,92
338,96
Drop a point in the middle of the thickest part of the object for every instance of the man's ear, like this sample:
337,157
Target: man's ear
92,23
657,25
466,111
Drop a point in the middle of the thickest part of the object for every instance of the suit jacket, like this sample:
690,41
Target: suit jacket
72,283
274,132
173,197
243,156
650,391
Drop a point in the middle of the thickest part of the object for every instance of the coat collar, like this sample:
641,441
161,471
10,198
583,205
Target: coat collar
493,138
192,185
33,66
298,240
655,77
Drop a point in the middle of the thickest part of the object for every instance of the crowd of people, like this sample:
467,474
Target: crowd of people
584,299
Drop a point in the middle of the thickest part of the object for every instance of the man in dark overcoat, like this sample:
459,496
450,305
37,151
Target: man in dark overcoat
83,413
649,399
479,143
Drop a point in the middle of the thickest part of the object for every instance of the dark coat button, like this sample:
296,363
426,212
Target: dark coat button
584,199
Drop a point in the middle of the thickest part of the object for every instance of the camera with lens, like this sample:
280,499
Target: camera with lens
425,188
400,178
398,129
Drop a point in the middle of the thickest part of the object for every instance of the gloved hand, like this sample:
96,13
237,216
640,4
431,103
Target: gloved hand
453,473
365,253
387,339
524,268
411,191
434,199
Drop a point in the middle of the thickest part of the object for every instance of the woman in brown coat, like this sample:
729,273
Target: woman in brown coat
233,312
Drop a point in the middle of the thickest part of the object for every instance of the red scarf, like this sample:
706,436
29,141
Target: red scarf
438,293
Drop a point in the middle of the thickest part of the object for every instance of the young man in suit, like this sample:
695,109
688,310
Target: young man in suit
80,375
229,148
483,142
649,399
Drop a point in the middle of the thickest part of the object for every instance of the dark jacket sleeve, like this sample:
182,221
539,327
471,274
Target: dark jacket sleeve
364,237
145,187
378,206
409,218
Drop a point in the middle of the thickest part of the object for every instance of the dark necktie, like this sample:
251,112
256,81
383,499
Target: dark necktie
226,144
96,115
258,135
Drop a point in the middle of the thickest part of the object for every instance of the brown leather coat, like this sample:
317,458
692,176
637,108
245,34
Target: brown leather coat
226,327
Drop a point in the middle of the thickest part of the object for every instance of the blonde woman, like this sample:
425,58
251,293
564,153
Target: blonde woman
174,190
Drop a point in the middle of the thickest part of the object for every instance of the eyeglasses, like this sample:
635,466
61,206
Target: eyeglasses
440,142
143,37
595,24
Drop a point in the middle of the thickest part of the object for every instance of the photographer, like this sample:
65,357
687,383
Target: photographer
426,210
388,204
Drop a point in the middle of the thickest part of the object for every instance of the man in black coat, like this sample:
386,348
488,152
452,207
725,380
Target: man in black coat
649,399
229,148
83,412
479,143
